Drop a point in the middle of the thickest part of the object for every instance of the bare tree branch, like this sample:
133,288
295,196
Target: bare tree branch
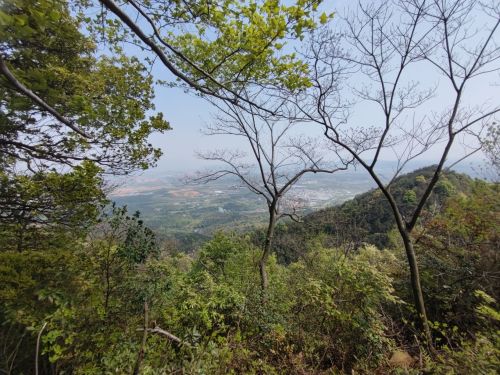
276,162
162,332
375,56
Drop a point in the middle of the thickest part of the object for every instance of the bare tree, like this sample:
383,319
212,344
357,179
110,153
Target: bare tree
278,159
380,56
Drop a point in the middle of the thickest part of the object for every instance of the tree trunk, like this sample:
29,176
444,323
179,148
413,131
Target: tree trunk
266,251
20,238
140,355
416,287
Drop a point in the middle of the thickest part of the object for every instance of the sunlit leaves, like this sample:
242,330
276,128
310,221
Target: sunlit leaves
226,44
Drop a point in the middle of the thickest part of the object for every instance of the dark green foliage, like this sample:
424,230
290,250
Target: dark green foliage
212,303
137,242
458,251
46,208
212,257
101,292
35,287
337,316
330,312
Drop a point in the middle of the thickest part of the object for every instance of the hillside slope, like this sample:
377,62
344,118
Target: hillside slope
367,218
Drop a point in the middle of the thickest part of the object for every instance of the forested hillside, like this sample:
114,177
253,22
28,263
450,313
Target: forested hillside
326,311
402,279
367,219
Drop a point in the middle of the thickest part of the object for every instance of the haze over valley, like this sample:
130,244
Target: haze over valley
175,209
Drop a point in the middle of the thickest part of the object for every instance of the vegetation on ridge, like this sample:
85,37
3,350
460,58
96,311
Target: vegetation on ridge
327,311
367,218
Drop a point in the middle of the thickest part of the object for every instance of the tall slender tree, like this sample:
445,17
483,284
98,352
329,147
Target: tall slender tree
277,159
378,56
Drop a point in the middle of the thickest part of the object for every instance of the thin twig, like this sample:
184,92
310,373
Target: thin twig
38,347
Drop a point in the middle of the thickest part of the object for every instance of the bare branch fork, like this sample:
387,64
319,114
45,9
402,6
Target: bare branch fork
279,161
164,333
146,330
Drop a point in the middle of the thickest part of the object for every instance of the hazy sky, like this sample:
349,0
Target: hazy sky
188,114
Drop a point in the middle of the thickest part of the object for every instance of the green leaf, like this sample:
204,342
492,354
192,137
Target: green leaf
323,19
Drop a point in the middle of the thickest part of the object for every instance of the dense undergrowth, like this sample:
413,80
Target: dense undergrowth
330,311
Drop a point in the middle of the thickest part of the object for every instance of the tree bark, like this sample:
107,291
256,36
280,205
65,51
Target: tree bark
140,355
38,339
416,287
266,251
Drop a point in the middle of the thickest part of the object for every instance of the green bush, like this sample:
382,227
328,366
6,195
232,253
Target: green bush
336,317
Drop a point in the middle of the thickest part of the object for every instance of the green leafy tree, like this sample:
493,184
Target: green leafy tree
35,287
119,242
40,210
336,315
62,102
217,47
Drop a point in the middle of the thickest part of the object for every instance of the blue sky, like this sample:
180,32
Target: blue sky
188,114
